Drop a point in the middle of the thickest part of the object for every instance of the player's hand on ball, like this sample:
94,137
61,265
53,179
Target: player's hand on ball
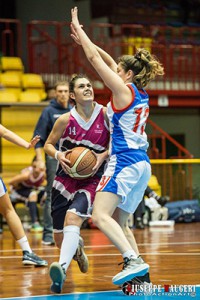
65,163
101,157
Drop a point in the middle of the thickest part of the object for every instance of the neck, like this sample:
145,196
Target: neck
85,111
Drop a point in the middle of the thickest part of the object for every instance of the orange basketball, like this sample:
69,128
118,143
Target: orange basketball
82,160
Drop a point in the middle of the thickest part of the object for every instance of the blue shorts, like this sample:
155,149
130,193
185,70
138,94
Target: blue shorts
127,175
3,188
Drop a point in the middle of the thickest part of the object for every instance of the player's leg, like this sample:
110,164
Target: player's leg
16,228
33,209
70,242
121,217
104,209
133,267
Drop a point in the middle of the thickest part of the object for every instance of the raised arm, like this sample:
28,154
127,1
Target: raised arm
16,139
104,55
110,78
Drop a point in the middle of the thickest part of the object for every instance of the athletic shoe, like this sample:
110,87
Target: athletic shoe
32,259
142,280
132,268
48,243
36,228
58,276
81,257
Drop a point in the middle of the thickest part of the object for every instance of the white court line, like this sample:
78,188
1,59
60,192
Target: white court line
117,254
50,248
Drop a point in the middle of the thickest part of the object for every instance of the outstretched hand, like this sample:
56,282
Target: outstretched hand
74,25
74,34
33,142
74,14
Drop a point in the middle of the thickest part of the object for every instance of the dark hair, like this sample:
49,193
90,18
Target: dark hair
144,65
73,80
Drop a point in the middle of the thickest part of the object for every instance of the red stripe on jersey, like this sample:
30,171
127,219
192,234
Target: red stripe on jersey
104,180
125,108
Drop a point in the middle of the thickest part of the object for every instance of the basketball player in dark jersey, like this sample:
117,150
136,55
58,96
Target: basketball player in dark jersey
26,187
85,125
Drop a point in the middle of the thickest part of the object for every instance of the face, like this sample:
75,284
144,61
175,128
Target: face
62,95
83,91
38,167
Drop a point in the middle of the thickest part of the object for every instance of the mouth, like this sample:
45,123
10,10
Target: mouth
87,94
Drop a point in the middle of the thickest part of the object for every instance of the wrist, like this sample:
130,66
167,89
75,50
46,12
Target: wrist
56,154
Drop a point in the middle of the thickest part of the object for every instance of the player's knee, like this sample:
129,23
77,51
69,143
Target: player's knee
73,219
98,219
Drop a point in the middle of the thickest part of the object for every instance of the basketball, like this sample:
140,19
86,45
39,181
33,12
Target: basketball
82,160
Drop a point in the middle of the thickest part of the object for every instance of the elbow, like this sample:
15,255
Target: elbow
93,57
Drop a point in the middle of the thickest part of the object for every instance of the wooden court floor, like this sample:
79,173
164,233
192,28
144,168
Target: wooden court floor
173,255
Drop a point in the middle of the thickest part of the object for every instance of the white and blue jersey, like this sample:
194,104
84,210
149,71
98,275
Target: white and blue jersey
127,126
3,188
128,170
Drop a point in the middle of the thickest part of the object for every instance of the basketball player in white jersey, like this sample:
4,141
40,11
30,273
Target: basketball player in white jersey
128,172
7,210
85,125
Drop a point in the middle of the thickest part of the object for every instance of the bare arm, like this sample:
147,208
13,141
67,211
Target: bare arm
18,179
111,79
39,153
16,139
105,56
54,136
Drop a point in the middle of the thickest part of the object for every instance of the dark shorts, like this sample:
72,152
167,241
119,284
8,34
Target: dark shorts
76,196
22,194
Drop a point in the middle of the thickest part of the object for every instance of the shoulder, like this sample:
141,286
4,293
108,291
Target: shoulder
63,119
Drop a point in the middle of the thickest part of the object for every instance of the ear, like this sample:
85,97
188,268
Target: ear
71,95
130,74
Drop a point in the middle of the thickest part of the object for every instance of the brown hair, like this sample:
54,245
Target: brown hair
144,65
73,80
60,83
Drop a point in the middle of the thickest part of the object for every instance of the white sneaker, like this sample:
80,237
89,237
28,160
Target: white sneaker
132,268
81,257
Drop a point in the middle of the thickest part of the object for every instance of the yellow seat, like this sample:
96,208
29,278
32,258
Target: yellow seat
7,96
29,97
11,82
32,81
12,63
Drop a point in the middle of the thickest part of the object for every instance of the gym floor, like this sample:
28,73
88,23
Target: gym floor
172,252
